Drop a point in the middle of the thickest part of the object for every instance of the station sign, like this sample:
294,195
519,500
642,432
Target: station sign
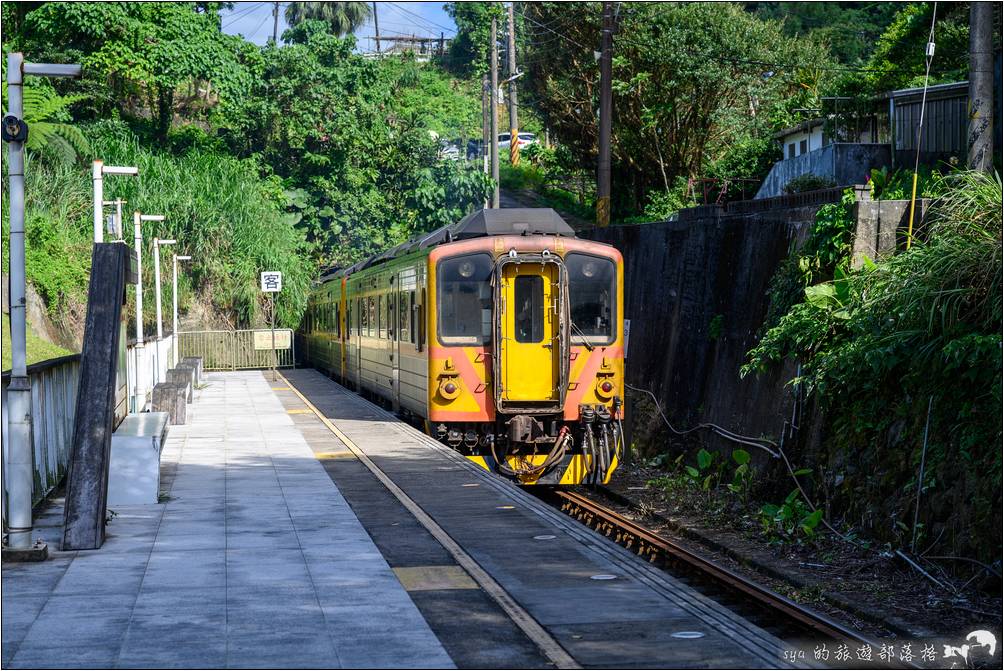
271,282
263,339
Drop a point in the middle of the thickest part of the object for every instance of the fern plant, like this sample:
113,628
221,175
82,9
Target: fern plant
47,117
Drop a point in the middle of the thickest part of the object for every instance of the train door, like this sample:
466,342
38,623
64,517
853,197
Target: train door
528,334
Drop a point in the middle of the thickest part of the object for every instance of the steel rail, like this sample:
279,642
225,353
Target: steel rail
654,547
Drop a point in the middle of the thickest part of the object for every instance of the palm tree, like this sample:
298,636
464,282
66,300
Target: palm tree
45,113
343,17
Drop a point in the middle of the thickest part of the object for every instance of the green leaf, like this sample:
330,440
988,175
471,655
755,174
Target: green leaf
803,471
741,456
811,521
770,510
692,472
822,296
704,459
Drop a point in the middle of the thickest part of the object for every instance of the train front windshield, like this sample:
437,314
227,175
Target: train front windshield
465,300
592,283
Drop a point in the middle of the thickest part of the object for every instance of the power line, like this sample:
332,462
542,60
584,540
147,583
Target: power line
261,23
564,37
421,18
242,13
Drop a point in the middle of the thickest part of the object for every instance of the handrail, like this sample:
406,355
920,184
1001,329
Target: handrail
42,366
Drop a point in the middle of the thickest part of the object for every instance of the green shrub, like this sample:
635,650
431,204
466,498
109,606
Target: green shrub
808,182
879,346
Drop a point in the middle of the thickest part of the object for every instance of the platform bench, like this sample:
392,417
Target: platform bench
134,468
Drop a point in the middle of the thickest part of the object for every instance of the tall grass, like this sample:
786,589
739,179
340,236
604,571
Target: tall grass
217,207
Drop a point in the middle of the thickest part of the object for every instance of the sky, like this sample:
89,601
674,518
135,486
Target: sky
253,20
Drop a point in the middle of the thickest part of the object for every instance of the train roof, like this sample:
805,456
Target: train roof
478,224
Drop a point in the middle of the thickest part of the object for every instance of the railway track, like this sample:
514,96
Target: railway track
790,620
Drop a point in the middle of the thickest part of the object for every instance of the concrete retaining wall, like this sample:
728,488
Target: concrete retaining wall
844,163
696,295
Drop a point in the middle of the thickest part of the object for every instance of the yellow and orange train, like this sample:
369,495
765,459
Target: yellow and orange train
503,333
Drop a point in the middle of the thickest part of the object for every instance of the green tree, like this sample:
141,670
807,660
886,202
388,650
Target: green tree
342,18
468,54
355,141
147,53
692,81
898,59
849,29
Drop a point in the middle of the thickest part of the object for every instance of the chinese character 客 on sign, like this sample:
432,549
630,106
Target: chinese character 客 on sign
271,282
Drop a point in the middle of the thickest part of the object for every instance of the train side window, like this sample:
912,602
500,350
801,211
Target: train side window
338,320
411,317
381,318
400,316
371,325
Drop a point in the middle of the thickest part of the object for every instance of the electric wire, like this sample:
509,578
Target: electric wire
240,13
421,18
761,443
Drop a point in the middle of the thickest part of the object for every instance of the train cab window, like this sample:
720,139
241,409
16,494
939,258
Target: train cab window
592,284
528,292
465,300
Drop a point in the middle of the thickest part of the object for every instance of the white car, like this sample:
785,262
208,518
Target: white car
449,150
523,139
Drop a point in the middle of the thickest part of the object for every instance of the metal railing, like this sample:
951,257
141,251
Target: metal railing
53,407
236,350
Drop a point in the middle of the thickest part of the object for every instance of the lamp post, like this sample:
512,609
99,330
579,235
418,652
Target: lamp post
137,223
174,294
19,466
98,171
157,244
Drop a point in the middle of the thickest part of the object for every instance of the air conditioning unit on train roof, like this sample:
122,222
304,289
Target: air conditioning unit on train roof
511,221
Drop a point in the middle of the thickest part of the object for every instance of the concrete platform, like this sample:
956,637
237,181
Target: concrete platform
546,562
253,558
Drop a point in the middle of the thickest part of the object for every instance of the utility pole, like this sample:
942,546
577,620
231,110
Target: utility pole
20,465
275,22
606,110
513,122
486,124
981,86
376,27
494,117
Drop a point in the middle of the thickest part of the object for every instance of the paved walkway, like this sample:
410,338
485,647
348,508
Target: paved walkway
253,560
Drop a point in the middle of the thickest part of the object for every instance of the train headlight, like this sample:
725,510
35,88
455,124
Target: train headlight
449,388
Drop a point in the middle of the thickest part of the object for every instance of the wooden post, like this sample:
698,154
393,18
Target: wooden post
606,110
